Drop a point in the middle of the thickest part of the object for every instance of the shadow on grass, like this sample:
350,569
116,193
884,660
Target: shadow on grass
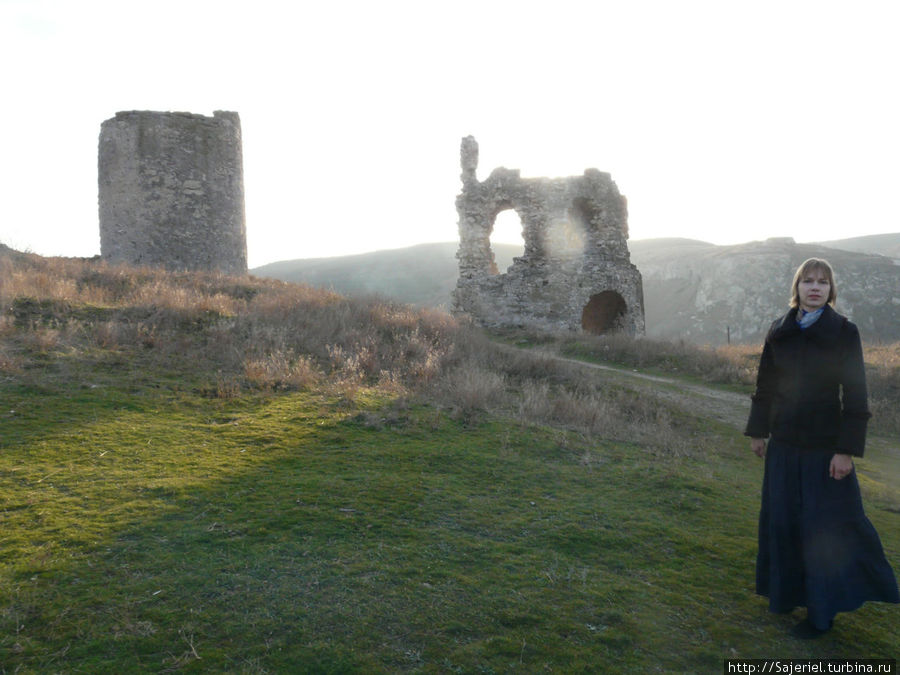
151,532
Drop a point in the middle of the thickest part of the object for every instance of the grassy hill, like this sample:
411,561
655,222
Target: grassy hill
423,275
202,473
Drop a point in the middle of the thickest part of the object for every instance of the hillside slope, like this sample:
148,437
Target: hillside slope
702,293
693,290
423,275
887,245
223,474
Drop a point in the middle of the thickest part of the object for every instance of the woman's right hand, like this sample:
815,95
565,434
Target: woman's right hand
758,445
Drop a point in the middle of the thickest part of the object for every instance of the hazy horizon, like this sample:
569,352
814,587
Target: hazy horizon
719,122
521,244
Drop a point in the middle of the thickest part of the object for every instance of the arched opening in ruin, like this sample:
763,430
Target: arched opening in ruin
507,239
602,313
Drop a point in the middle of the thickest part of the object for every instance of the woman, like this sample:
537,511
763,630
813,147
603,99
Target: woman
817,549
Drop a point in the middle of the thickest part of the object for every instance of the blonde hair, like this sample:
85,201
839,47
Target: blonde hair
807,266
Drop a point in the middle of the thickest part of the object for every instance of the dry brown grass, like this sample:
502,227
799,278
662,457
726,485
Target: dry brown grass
255,333
240,334
535,387
736,365
883,375
733,364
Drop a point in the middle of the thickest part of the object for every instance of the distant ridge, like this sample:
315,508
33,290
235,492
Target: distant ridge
878,244
710,294
422,275
693,290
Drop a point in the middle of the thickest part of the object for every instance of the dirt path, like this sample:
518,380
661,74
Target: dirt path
724,406
879,469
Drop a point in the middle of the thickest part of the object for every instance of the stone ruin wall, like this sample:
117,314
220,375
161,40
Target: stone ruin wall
172,191
575,272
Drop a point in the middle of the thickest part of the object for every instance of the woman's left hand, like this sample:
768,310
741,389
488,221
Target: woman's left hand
841,466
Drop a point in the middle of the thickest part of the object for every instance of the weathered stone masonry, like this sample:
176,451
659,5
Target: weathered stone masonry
575,272
172,191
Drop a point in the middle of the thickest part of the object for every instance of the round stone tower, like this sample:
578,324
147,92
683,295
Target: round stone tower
172,191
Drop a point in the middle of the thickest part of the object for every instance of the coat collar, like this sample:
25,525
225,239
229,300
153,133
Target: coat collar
825,330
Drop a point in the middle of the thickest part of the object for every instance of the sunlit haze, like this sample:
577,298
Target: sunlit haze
721,121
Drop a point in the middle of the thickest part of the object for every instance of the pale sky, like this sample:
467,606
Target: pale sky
719,120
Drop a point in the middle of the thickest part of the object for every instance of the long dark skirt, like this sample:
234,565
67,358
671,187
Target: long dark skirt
817,549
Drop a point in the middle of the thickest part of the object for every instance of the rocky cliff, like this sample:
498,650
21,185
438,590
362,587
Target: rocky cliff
705,293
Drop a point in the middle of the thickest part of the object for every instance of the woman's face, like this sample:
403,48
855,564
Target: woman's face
813,290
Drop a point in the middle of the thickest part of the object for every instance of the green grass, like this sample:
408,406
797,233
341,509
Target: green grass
207,474
148,526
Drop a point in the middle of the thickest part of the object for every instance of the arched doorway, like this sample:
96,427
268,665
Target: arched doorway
507,239
602,312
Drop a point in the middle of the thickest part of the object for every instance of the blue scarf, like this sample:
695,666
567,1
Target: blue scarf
806,319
